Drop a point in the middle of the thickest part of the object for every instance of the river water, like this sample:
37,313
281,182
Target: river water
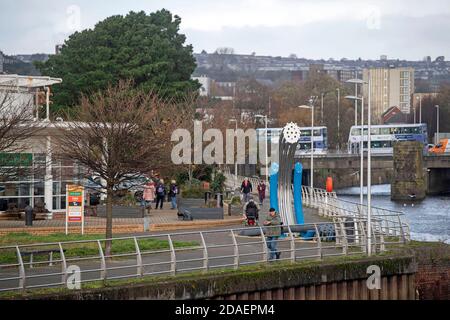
429,219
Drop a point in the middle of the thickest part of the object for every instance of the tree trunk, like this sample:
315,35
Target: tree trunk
109,201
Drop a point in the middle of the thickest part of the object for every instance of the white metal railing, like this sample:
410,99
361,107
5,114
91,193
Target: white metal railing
206,250
391,223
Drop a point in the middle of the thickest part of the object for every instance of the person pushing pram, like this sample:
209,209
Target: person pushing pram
251,212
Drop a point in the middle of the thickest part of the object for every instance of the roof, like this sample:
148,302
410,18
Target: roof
27,81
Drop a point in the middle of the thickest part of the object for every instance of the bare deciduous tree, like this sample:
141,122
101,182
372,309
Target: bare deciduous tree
17,126
120,134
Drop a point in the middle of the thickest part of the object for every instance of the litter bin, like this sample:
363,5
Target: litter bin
207,196
28,215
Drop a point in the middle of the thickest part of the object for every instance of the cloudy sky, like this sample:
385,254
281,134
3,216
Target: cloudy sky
406,29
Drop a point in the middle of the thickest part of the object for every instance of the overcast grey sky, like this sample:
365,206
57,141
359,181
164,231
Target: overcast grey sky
309,28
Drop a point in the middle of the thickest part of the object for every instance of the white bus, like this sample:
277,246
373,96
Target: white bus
320,139
384,136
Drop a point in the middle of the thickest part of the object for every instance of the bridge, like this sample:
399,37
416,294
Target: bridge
415,173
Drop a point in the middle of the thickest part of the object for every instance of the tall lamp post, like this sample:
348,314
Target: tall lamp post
338,118
235,160
361,148
361,144
437,125
266,143
311,107
369,159
356,82
419,97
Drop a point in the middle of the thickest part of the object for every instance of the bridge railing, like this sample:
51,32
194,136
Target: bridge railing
78,262
391,223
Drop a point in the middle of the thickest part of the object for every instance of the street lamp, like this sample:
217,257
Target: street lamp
266,143
322,95
311,107
437,125
419,97
369,160
361,147
356,82
338,117
235,160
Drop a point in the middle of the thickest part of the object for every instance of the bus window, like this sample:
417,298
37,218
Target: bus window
305,133
385,131
416,130
305,146
380,144
374,131
356,132
317,133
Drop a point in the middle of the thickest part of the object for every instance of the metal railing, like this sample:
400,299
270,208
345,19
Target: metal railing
391,223
173,253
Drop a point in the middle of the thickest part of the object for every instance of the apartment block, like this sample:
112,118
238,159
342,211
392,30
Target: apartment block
390,87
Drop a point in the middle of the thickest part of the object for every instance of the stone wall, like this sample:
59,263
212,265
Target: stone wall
433,273
344,279
408,178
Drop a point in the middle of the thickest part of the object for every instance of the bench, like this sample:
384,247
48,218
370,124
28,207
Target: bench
201,213
48,252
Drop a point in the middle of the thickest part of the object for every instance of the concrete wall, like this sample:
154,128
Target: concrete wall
345,280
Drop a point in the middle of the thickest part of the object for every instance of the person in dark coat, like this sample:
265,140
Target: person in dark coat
173,191
160,194
246,189
261,192
251,213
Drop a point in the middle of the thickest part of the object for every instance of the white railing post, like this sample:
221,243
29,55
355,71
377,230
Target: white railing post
22,275
103,273
292,243
236,250
173,257
319,242
265,249
140,269
205,253
63,263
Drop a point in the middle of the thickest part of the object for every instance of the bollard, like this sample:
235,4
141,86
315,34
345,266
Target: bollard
28,215
146,222
219,200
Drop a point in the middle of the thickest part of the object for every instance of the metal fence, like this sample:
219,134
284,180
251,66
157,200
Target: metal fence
390,222
52,264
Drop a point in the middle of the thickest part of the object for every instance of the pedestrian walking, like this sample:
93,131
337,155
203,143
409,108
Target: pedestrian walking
149,194
273,232
160,194
261,192
173,191
246,189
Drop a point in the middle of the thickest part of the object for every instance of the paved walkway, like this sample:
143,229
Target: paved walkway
158,218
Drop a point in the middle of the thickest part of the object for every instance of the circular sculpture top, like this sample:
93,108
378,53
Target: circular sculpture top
291,133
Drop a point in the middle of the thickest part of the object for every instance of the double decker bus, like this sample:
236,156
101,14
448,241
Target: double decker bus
320,139
383,136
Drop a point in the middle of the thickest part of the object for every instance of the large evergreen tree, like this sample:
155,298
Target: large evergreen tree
145,48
